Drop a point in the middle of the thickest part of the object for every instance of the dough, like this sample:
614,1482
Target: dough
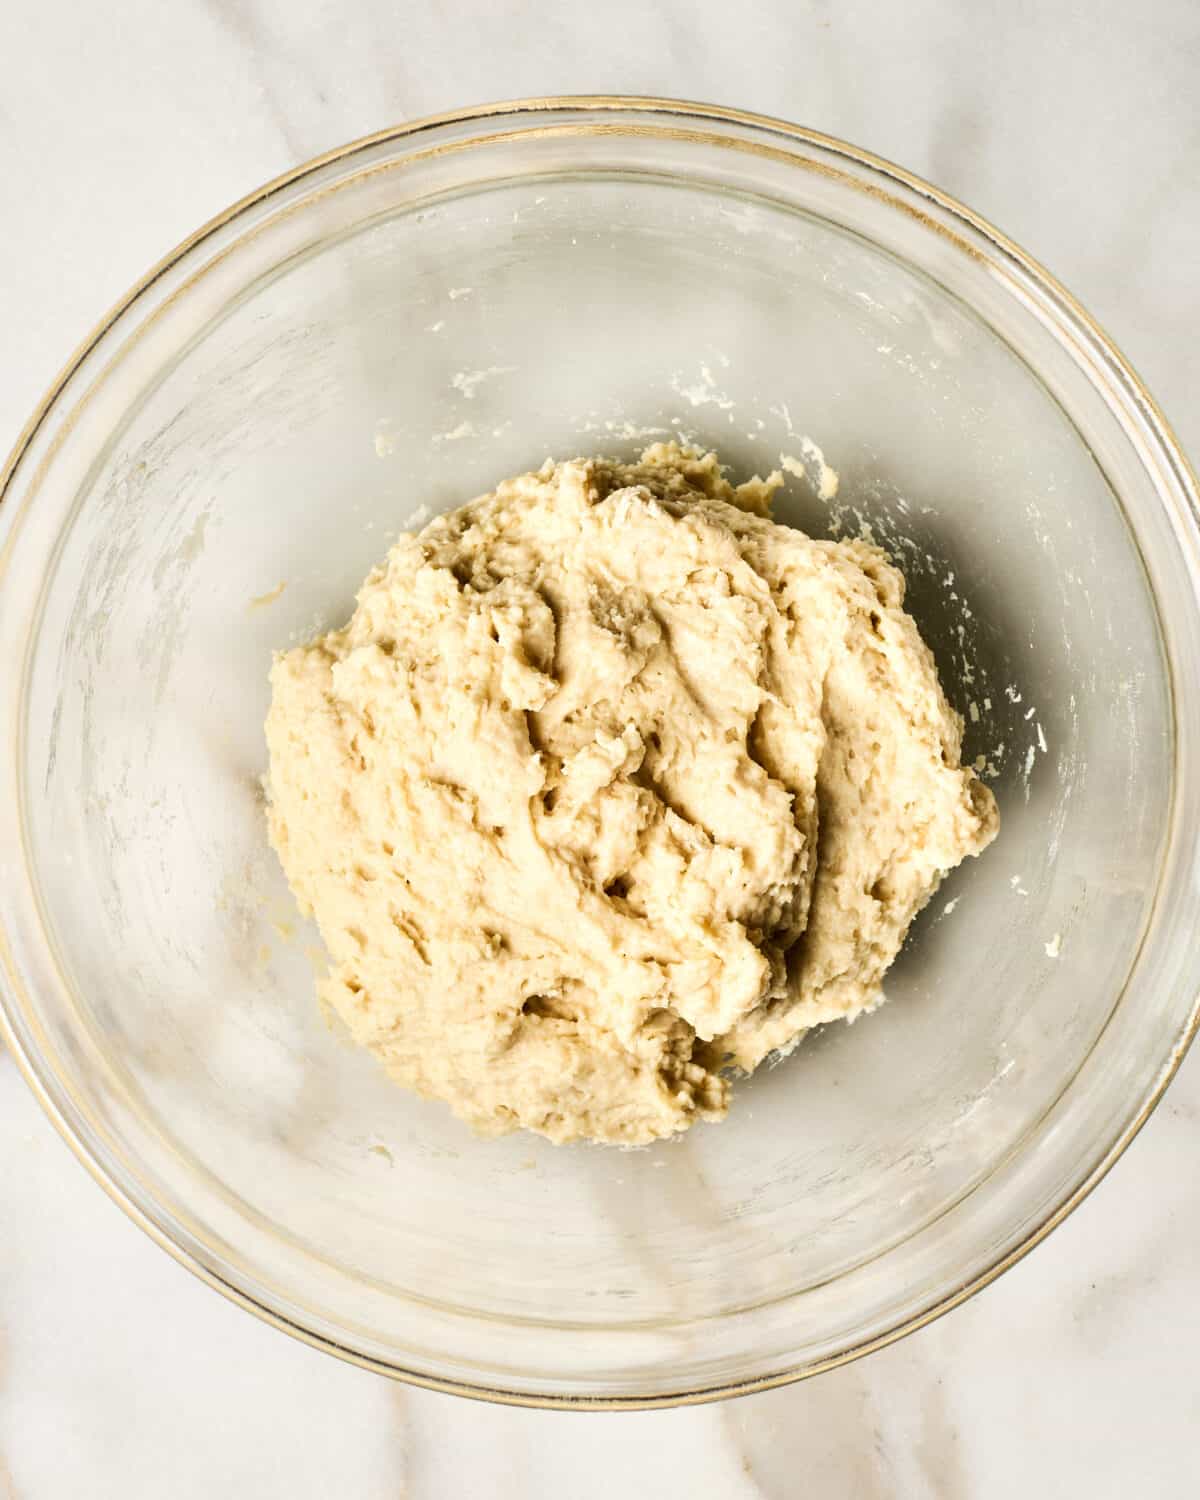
611,787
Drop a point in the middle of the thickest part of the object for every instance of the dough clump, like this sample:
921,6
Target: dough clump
611,787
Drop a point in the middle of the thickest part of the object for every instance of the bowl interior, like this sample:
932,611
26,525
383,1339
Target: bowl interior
404,358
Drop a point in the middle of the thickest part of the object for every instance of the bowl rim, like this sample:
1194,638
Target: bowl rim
1067,307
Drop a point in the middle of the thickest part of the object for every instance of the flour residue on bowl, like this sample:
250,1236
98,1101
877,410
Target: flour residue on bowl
467,382
702,392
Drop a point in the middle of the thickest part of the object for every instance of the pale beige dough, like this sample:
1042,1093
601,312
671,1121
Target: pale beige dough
611,787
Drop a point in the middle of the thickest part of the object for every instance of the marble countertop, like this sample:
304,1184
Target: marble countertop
1075,129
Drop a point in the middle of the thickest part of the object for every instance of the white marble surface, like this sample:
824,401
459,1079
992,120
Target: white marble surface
1075,127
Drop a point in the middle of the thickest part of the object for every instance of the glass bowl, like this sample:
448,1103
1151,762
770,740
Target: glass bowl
388,331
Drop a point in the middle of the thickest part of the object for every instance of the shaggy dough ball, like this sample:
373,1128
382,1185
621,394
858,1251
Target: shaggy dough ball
611,787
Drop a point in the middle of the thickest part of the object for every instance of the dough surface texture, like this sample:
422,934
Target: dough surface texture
611,787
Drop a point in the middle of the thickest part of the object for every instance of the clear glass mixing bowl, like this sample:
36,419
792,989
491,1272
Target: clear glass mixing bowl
397,326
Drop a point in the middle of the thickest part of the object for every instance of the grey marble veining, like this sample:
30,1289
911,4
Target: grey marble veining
1075,129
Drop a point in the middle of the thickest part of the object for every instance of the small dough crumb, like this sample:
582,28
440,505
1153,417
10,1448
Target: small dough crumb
261,601
827,479
611,788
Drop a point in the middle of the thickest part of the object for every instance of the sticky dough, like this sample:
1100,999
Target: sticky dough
611,787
